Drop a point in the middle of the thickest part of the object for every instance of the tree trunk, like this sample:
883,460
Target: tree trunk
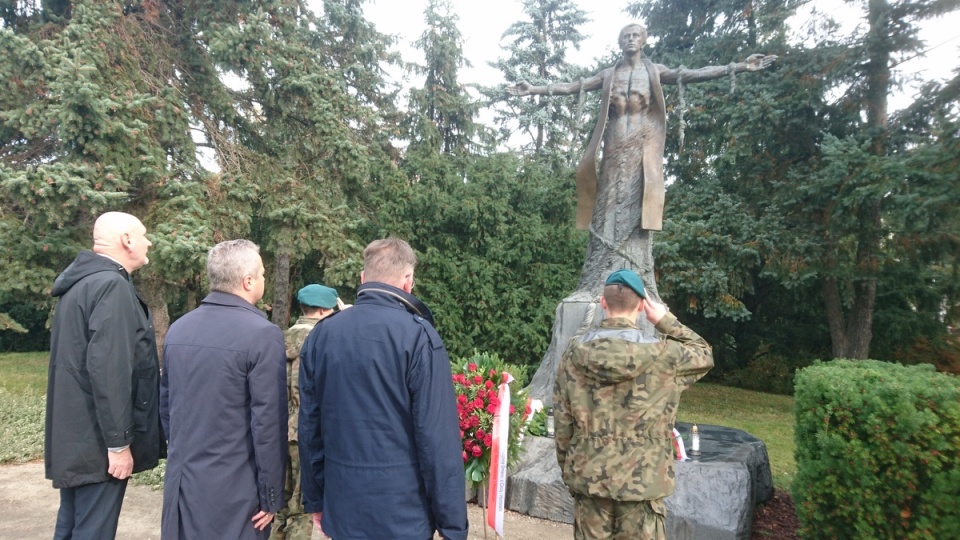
851,333
851,339
835,319
859,328
153,291
190,302
281,289
860,325
878,70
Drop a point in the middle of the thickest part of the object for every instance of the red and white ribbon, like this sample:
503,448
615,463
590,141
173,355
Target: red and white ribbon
497,490
678,446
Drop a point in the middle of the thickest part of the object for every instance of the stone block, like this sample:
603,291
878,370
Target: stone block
715,496
575,314
712,501
535,488
729,445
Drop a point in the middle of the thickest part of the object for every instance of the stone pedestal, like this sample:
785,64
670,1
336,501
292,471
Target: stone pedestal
535,488
576,314
715,495
718,491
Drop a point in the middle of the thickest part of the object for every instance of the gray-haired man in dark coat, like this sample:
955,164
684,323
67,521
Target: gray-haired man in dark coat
223,404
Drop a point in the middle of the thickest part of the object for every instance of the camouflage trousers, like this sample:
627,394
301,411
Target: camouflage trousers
291,522
606,519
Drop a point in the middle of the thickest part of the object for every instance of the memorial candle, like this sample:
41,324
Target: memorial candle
550,422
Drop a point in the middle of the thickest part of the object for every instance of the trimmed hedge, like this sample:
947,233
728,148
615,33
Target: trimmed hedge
877,451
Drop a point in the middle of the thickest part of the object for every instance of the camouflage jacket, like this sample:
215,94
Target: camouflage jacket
293,338
615,403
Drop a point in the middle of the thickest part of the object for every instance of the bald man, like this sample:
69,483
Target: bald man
103,422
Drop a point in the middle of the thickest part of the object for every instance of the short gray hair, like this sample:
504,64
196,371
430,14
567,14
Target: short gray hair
388,260
229,262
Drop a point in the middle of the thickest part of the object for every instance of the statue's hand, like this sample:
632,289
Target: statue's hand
756,62
520,89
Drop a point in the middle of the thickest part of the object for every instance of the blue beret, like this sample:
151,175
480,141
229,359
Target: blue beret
628,278
318,296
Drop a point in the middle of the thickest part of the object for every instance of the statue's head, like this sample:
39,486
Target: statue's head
632,38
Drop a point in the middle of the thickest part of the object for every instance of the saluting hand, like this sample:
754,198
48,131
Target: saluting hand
654,310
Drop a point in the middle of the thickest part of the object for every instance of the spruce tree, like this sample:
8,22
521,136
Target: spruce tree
441,112
537,53
806,153
105,106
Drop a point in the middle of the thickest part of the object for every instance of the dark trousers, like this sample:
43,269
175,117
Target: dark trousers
90,511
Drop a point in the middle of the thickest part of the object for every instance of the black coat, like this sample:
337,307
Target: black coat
379,435
223,404
103,380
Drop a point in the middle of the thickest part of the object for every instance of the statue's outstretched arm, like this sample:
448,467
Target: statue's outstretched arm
557,89
754,62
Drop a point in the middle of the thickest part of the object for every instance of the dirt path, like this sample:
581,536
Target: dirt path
28,509
28,506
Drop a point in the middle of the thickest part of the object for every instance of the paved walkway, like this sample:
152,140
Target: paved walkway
28,511
28,506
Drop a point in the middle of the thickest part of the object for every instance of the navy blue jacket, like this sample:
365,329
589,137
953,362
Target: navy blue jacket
104,378
223,405
379,437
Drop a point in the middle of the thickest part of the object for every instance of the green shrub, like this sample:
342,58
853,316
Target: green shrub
538,424
877,451
152,477
766,372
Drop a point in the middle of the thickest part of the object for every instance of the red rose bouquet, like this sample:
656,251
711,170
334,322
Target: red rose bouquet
476,381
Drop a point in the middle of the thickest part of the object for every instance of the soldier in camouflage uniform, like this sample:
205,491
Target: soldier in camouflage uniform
615,404
316,303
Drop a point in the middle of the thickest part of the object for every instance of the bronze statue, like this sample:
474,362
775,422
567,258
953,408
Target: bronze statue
633,132
622,204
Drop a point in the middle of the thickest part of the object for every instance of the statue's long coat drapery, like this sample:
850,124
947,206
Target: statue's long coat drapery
648,157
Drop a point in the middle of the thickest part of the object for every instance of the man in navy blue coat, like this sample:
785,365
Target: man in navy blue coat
223,406
379,436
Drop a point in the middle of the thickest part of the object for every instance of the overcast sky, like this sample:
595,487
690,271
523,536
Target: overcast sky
483,22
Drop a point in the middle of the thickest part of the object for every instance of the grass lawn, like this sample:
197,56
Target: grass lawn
23,386
24,373
769,417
